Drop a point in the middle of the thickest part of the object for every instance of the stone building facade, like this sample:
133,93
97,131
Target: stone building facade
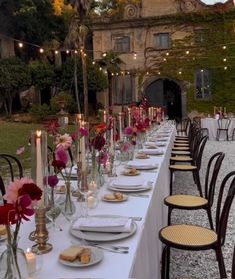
142,39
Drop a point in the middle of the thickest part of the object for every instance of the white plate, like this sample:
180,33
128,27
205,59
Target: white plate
96,256
113,188
103,236
143,167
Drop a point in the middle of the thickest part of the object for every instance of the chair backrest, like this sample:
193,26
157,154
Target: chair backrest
222,212
2,187
223,123
199,151
12,165
212,171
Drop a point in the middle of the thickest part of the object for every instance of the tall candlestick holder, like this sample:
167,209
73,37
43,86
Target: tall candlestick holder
39,174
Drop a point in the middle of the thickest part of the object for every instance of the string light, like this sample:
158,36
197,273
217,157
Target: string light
116,74
100,68
225,59
134,55
164,59
147,73
112,74
167,54
20,45
67,51
225,68
202,70
224,47
56,51
41,50
93,62
159,73
104,54
75,51
187,52
180,72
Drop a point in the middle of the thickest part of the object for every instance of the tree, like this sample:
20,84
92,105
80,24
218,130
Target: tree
111,62
14,76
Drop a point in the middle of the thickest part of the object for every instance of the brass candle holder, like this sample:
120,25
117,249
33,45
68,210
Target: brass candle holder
40,235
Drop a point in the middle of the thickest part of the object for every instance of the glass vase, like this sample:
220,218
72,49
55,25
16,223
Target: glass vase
13,263
68,207
54,210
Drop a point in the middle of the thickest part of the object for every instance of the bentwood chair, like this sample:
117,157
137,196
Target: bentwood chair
223,125
2,187
182,128
191,202
196,238
197,120
194,167
9,164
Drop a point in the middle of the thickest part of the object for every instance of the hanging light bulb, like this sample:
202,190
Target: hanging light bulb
134,55
225,59
56,51
224,47
104,54
159,73
41,50
20,45
75,51
187,52
164,59
180,73
225,68
167,54
93,62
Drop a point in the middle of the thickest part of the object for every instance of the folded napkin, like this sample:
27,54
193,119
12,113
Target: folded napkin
103,224
128,181
152,151
143,164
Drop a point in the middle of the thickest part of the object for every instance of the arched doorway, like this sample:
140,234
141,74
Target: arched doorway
165,93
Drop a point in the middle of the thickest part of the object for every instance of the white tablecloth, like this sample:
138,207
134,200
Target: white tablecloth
143,259
212,124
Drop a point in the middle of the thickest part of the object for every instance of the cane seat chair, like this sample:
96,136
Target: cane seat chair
192,202
182,127
196,238
198,122
223,125
194,167
2,187
9,164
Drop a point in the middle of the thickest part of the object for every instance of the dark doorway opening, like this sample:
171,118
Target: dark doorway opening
166,93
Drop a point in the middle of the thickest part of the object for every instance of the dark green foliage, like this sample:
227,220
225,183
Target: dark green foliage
69,103
39,112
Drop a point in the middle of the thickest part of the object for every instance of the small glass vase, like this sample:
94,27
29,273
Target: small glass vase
68,207
54,210
13,263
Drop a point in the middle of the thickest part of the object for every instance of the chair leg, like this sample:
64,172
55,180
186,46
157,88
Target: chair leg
198,182
220,260
163,269
168,262
169,215
210,218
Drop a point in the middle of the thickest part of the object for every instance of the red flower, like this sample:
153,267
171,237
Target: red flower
7,214
58,165
101,128
53,180
52,127
23,207
32,190
99,142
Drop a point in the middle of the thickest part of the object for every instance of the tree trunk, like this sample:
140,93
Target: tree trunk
85,87
76,84
123,92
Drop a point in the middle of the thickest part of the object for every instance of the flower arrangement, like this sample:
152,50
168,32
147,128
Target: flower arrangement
21,197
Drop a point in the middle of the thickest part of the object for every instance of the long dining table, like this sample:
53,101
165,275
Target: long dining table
145,248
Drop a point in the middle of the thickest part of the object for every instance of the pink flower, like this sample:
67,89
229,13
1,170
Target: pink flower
61,155
52,180
65,141
12,192
20,150
83,132
125,147
52,127
128,131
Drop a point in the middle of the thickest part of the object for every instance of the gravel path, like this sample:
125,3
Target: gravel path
196,264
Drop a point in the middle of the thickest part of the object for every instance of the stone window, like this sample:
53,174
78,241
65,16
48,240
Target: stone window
203,84
123,89
162,40
121,44
201,36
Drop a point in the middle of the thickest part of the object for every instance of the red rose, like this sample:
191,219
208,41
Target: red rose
99,142
32,190
58,164
7,214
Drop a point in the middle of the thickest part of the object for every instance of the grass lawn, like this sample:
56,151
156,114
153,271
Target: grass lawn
14,135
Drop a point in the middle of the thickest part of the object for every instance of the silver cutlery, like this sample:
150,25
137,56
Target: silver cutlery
111,248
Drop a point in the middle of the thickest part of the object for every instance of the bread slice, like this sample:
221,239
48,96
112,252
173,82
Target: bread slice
85,256
71,254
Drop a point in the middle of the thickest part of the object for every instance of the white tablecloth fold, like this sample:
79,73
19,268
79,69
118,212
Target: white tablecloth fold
103,224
